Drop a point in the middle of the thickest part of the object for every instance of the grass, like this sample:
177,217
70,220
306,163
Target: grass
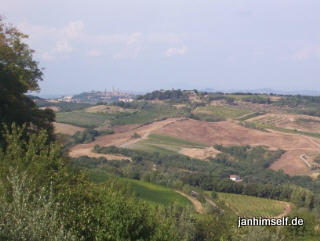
244,205
165,144
83,119
249,116
156,194
305,133
151,193
144,115
150,113
168,140
220,112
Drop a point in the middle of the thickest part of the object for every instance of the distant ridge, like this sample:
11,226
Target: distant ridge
268,91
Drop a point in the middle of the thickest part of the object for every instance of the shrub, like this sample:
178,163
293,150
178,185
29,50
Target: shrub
30,215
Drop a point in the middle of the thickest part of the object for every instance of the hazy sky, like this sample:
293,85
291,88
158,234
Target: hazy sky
143,45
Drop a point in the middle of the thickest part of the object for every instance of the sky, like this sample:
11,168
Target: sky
143,45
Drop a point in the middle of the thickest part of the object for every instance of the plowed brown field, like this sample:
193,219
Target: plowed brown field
66,128
230,133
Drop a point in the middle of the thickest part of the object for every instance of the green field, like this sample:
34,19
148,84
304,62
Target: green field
244,205
155,194
305,133
249,116
143,115
151,193
219,113
83,119
148,114
164,144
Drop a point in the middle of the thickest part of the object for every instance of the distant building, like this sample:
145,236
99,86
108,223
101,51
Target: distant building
65,99
125,99
235,178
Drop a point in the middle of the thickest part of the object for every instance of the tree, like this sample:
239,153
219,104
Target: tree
19,74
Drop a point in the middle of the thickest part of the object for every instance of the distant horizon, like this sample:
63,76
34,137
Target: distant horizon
253,91
145,45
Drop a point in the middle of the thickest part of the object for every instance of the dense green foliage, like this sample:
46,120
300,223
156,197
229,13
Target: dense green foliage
79,209
308,105
257,99
173,95
19,73
88,135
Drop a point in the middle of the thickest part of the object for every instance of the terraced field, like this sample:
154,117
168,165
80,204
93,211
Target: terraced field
165,144
248,206
151,193
219,113
155,194
305,125
83,118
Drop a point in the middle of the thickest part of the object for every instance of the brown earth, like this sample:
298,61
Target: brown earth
287,209
88,152
53,107
231,133
66,128
196,204
218,103
211,133
122,139
198,153
125,128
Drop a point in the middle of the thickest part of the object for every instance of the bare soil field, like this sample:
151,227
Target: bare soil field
122,139
198,153
125,128
211,133
87,152
53,108
66,128
290,121
218,103
231,133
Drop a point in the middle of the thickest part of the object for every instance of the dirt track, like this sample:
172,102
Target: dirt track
196,204
286,211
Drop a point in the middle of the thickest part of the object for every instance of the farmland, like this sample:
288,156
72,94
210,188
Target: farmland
83,119
97,116
219,113
164,144
156,194
247,206
151,193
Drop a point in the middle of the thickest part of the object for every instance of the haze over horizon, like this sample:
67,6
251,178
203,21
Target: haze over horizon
142,45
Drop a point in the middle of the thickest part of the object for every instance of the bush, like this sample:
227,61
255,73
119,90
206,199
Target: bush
30,215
